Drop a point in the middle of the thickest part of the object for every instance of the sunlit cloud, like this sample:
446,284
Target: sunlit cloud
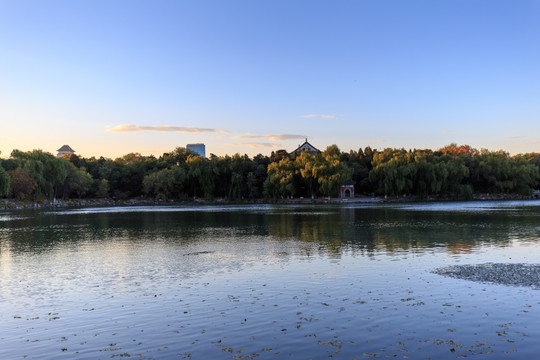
446,131
517,137
318,115
162,128
276,137
255,145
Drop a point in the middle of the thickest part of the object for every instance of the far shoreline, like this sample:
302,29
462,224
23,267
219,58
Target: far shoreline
10,204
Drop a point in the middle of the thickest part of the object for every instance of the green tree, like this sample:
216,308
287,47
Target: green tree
281,180
22,184
306,165
393,172
48,171
330,172
165,184
240,167
202,174
102,188
78,181
4,182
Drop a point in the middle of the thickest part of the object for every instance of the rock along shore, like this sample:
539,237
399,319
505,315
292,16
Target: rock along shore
10,204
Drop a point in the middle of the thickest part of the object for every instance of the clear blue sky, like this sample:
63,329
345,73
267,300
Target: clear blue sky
113,77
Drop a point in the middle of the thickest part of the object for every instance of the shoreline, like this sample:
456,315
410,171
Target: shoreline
9,204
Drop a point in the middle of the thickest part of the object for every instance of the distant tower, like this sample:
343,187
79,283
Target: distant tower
198,148
65,151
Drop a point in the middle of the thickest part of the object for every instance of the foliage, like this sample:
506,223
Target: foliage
281,179
4,182
22,184
165,184
78,181
454,171
47,170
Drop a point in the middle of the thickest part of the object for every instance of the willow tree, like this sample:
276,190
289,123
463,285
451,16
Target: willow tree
330,172
393,171
4,182
306,167
48,171
202,175
281,179
165,184
22,184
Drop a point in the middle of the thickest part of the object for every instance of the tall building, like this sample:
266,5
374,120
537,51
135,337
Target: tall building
198,148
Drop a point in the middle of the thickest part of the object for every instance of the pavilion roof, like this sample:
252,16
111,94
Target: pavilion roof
66,148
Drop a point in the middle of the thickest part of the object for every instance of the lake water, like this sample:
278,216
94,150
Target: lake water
267,282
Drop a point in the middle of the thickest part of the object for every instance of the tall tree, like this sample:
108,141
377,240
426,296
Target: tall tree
4,182
22,184
281,179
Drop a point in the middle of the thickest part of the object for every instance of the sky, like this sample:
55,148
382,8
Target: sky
110,78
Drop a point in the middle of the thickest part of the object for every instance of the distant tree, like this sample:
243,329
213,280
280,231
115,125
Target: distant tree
48,170
176,157
306,167
278,155
102,189
361,165
393,172
462,150
4,182
330,172
281,179
240,167
253,188
22,184
78,181
202,174
165,184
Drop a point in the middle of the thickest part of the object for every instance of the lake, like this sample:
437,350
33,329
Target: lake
267,282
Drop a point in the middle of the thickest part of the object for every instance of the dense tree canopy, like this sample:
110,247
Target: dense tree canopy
451,172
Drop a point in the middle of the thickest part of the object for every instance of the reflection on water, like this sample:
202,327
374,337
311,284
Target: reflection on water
265,281
332,229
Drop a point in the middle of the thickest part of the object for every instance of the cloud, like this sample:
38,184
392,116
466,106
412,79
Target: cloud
162,128
255,145
318,115
277,137
517,137
370,141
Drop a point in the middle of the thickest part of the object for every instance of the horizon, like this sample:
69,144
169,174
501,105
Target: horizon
110,79
208,154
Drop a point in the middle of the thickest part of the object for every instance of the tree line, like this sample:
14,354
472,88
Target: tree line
455,172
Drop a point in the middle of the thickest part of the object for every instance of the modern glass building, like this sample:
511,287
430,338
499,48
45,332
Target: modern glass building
198,148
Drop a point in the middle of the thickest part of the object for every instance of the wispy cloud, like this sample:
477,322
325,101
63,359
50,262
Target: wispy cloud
275,137
517,137
162,128
255,145
318,115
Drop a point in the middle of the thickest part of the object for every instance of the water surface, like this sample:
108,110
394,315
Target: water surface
267,282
